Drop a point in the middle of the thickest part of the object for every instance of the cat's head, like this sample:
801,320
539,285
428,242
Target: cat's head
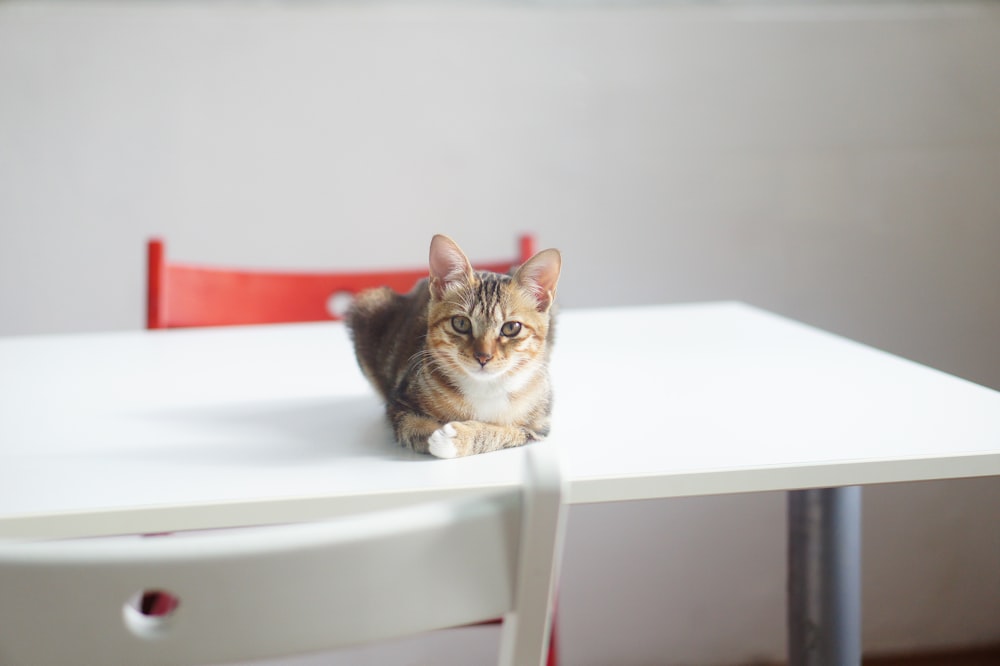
486,325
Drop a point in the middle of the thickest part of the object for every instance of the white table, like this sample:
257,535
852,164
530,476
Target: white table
161,431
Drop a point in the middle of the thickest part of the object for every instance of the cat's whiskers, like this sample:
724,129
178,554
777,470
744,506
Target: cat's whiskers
422,357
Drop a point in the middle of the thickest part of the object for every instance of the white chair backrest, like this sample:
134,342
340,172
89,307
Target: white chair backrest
276,591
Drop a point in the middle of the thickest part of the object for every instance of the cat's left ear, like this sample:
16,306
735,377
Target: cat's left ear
449,265
539,275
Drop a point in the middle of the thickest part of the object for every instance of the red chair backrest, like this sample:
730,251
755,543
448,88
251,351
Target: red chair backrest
184,295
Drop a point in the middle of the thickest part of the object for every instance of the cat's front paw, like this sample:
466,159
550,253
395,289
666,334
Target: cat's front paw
445,442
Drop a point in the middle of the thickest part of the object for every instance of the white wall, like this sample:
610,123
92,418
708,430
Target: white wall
840,165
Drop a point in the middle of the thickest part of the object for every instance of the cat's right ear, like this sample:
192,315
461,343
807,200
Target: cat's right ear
449,265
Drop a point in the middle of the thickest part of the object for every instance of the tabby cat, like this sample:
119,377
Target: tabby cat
462,360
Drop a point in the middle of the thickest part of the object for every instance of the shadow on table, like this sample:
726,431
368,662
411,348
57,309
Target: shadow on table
272,433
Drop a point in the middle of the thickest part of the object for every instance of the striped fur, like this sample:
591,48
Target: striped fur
462,360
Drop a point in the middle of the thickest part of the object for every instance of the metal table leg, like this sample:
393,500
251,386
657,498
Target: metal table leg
824,577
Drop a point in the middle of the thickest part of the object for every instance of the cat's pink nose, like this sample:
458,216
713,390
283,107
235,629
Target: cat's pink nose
482,357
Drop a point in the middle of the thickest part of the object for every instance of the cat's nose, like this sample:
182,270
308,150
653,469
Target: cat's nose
482,357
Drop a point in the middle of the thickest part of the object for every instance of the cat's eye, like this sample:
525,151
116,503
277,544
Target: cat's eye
461,324
510,329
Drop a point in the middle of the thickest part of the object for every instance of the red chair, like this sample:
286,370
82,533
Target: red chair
186,295
183,295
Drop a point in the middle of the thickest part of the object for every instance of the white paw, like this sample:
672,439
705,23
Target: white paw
442,442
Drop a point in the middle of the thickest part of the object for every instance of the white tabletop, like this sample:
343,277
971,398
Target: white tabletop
168,430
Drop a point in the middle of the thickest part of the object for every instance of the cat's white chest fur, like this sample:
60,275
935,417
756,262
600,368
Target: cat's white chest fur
489,400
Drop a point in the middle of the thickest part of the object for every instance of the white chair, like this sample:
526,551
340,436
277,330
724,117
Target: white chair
268,592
